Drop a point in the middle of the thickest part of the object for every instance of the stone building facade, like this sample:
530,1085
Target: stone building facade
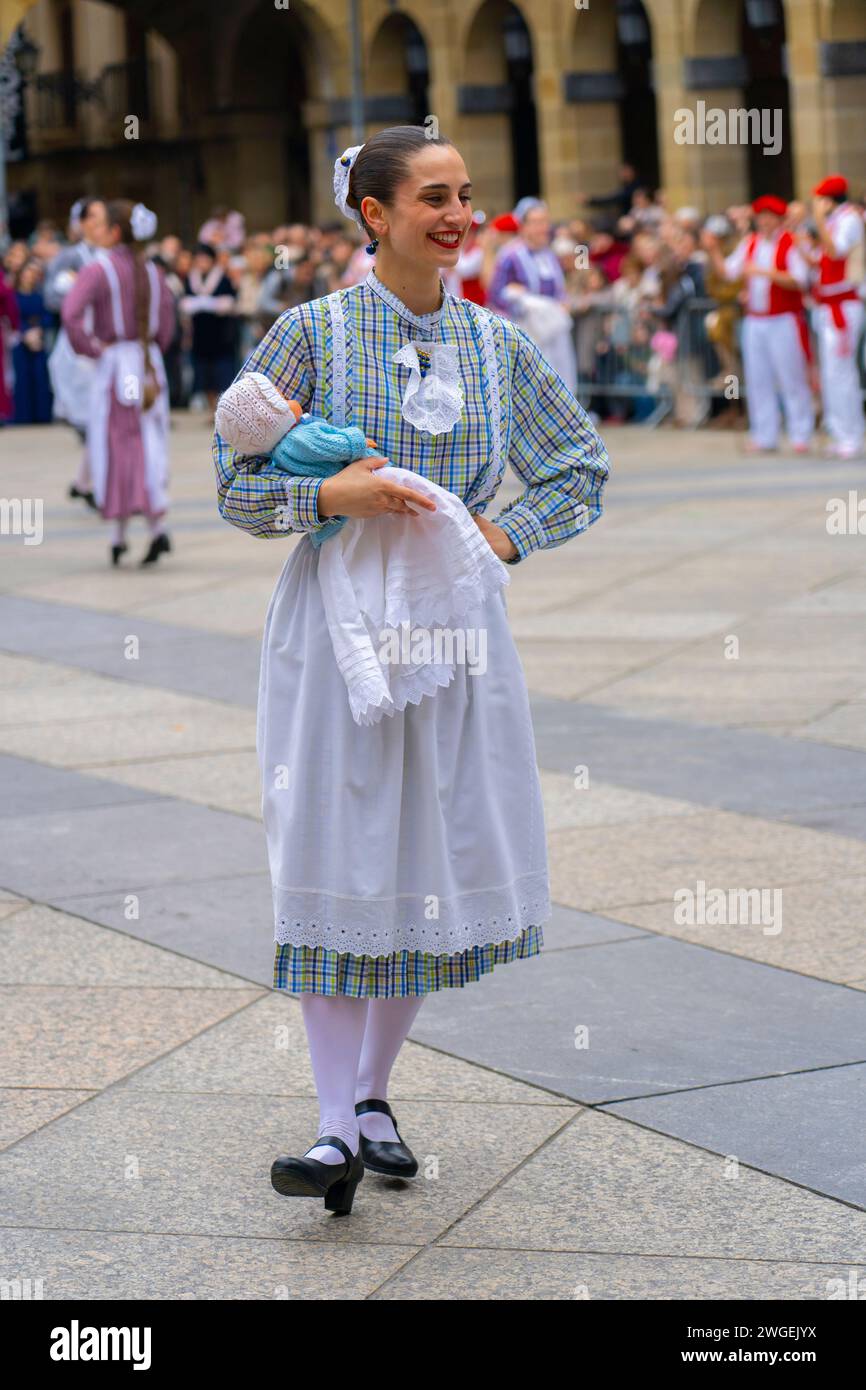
248,102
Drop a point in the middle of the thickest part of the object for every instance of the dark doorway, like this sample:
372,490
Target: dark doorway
638,107
524,123
766,89
417,71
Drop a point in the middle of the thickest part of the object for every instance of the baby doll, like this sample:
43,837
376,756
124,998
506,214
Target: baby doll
385,580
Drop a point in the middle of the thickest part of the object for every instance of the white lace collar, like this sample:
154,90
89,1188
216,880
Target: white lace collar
423,322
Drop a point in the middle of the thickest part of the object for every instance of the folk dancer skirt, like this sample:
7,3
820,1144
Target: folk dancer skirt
409,855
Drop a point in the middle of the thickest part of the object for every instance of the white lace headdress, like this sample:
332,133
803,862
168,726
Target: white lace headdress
143,222
342,170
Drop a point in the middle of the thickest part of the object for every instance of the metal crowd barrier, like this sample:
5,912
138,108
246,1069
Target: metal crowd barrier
633,366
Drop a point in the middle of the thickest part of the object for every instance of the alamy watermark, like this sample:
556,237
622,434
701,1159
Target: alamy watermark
737,126
728,907
452,646
22,516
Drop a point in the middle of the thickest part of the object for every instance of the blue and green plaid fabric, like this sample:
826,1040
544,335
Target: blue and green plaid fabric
319,970
545,434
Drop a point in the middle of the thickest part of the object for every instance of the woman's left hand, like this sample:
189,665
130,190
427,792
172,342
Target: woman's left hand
500,542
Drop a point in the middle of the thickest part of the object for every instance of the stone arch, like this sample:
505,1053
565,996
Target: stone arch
843,65
275,90
496,102
736,60
397,73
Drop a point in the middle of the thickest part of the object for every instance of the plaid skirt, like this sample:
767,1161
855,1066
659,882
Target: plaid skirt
318,970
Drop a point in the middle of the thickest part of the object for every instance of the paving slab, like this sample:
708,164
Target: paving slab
87,1265
822,930
659,1015
226,781
186,1164
605,1186
94,955
86,1037
176,658
23,1110
734,770
32,788
124,848
807,1128
592,870
567,927
262,1050
225,922
440,1273
568,802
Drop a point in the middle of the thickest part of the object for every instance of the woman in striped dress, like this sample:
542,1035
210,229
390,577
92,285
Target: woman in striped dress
408,856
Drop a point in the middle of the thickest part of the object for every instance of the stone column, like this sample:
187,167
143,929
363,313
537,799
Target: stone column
802,35
675,161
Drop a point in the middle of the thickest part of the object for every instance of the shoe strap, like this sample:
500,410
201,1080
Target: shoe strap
335,1142
365,1106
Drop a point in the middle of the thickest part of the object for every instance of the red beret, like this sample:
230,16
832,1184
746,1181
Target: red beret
506,222
770,203
834,186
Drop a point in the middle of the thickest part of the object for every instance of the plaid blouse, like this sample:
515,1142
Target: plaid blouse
516,408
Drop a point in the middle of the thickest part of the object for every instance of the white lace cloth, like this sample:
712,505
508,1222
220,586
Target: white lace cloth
395,591
434,401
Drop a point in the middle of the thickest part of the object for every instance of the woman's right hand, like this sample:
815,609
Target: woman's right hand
361,489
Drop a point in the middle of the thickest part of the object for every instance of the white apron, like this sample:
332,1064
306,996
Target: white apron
423,831
71,373
546,320
120,371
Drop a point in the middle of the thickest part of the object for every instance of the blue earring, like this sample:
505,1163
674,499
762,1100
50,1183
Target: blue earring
371,249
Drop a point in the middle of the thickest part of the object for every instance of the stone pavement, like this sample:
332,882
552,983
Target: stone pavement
664,1105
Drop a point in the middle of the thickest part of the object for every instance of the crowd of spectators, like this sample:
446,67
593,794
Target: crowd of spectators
656,331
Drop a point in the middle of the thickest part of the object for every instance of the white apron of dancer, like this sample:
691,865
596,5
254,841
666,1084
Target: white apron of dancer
120,370
546,320
71,373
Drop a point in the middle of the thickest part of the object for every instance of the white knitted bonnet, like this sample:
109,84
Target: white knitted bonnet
252,416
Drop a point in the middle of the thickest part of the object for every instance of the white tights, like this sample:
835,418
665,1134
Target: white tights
353,1046
120,523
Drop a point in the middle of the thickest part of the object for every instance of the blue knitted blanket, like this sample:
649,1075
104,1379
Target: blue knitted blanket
317,449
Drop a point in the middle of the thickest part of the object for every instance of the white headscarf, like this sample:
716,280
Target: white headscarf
342,170
143,222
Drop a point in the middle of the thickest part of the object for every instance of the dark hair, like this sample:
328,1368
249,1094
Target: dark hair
383,163
87,204
119,214
204,248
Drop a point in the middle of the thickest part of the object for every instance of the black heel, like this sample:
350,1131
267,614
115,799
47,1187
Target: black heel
340,1197
159,545
393,1159
117,551
308,1177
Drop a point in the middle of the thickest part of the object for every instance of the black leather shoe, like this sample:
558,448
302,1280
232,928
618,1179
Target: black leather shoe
88,497
393,1159
307,1177
157,546
117,551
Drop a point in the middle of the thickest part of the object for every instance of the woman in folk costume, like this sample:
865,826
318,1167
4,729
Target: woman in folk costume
775,332
132,323
407,855
9,325
72,373
209,300
528,285
839,313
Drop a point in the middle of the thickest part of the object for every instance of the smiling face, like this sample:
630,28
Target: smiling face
431,212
